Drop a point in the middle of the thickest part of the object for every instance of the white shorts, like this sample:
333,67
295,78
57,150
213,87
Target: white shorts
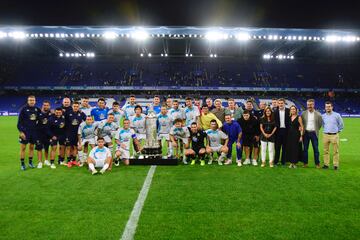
141,136
99,163
90,141
164,135
216,149
124,154
184,140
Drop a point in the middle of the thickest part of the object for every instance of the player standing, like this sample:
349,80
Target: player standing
86,137
164,124
58,136
27,125
43,141
101,111
74,118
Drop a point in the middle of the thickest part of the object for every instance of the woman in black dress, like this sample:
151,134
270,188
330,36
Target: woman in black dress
294,138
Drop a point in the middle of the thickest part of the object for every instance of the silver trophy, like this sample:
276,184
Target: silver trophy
152,147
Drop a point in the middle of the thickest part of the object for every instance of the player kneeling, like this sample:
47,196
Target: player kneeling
197,140
123,139
215,136
99,157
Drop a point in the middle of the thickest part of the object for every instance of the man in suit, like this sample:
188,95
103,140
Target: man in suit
282,120
312,121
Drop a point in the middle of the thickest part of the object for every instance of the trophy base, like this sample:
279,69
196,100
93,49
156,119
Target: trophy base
154,160
152,151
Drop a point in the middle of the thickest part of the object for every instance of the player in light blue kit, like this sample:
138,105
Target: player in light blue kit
176,112
191,113
86,137
164,124
214,144
118,112
181,134
106,129
129,107
138,123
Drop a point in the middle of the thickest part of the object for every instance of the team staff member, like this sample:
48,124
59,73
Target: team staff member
58,136
333,125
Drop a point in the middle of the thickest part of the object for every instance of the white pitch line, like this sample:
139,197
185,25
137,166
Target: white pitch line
131,225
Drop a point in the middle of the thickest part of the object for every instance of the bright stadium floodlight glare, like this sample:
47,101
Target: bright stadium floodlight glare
140,35
349,38
166,54
61,54
141,54
186,54
18,35
149,55
216,36
3,35
332,38
211,55
243,36
110,35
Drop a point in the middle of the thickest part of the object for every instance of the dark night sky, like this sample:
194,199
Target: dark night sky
245,13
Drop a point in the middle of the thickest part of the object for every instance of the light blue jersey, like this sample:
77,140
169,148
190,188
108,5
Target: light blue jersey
164,123
87,131
176,114
191,115
215,137
125,136
106,129
129,110
117,115
138,123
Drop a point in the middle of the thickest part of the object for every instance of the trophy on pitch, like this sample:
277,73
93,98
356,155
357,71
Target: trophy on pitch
152,148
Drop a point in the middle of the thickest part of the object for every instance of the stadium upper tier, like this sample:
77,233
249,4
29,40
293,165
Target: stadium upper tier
199,73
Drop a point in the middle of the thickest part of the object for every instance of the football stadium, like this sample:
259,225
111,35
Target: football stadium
179,132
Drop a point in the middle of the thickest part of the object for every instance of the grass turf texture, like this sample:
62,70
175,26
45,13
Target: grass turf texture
184,202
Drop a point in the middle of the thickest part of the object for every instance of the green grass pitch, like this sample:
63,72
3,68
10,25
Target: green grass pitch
184,202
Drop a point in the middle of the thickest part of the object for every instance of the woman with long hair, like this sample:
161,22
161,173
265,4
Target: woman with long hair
294,138
267,138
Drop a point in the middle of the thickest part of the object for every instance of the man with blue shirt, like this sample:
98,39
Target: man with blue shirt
101,111
156,106
233,130
332,126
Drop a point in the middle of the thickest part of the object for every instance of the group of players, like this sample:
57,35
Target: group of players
193,132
